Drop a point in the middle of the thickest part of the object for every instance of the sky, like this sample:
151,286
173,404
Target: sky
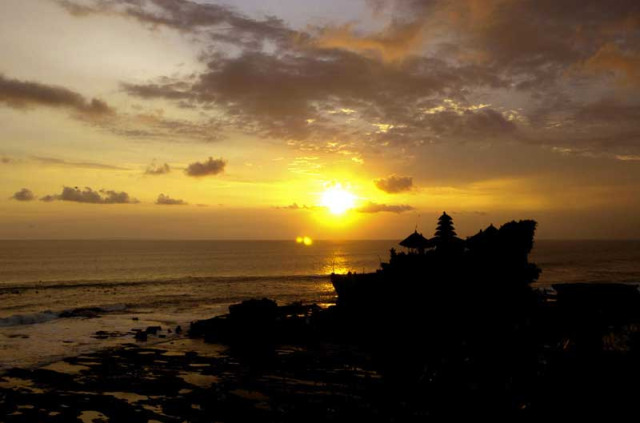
340,119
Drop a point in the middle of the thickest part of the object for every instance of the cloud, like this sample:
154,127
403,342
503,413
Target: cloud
612,60
206,168
155,169
607,127
396,42
416,81
155,125
628,158
372,207
296,96
24,195
290,90
88,195
296,206
394,184
27,94
293,206
219,23
23,94
86,165
6,160
165,200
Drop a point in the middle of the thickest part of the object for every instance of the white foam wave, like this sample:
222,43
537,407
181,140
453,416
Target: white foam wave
48,315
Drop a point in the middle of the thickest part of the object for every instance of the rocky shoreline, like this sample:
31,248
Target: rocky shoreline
576,356
190,380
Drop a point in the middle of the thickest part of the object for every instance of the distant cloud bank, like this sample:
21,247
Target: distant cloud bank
88,195
372,207
165,200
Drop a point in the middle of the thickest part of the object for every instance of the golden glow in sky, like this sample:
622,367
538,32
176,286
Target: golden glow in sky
164,133
337,199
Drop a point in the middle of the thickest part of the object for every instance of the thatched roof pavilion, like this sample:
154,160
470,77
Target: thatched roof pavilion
416,242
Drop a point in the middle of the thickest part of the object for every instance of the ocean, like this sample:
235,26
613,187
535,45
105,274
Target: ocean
50,291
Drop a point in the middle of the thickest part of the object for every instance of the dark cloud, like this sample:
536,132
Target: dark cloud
88,195
155,169
219,23
208,167
607,127
372,207
298,96
533,38
86,165
22,94
165,200
394,184
298,88
26,94
420,80
24,195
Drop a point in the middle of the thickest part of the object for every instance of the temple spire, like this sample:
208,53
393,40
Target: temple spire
445,230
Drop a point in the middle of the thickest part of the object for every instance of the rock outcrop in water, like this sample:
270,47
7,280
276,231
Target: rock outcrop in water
454,330
447,272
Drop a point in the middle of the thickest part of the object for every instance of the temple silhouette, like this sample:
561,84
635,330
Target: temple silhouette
448,267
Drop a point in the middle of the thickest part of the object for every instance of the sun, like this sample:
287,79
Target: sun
337,199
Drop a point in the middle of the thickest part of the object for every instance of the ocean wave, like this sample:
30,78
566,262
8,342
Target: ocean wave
48,315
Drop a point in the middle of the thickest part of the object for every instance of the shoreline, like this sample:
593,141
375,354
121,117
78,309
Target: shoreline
133,319
183,379
307,366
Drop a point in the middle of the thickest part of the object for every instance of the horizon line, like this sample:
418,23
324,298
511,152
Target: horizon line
278,239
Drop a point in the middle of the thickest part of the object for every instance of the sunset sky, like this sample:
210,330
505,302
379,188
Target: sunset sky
250,119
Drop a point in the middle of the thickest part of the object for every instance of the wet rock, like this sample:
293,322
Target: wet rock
19,335
101,334
258,323
141,336
153,330
88,312
254,311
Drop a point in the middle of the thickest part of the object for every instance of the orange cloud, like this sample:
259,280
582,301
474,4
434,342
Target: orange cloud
610,59
393,44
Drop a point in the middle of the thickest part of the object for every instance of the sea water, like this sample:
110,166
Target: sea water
52,291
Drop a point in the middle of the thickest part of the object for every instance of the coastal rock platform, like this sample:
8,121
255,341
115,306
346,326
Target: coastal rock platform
189,380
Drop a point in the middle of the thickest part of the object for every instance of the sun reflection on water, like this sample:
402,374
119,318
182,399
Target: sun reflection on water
335,264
